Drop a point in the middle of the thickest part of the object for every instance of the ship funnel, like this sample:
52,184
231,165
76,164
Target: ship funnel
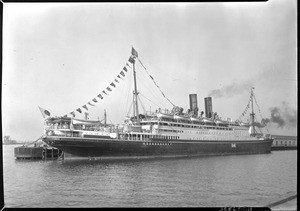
193,104
208,107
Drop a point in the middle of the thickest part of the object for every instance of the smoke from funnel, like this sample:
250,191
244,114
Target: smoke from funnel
283,116
259,125
231,90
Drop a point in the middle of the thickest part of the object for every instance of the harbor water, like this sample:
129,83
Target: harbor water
235,180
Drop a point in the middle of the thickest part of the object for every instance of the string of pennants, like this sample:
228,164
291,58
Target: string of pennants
248,105
155,82
110,87
259,111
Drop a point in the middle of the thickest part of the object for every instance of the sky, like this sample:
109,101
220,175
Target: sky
60,56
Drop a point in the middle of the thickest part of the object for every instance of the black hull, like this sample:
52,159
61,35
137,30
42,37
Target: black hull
158,148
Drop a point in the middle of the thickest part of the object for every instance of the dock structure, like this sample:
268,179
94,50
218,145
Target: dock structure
38,153
284,142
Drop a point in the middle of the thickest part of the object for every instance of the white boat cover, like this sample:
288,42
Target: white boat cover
161,115
220,122
196,119
85,122
181,117
208,120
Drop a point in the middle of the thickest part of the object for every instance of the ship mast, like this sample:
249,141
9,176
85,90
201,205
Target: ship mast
135,93
252,113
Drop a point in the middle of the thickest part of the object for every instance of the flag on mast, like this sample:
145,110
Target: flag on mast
131,59
44,112
73,113
85,107
134,52
100,96
122,73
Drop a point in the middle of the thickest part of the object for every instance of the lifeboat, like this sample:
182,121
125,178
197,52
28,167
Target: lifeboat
181,118
167,116
193,119
220,122
245,124
206,120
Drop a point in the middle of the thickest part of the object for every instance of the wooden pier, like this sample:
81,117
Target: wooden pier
38,153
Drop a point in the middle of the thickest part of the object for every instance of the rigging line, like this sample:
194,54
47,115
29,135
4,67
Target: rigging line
165,74
128,93
142,105
130,107
141,63
149,90
155,83
150,100
148,86
27,144
246,109
145,84
154,103
258,127
260,112
154,96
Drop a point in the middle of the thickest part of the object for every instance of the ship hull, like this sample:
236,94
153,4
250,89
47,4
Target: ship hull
110,148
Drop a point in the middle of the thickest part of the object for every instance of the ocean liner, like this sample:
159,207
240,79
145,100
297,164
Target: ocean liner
163,133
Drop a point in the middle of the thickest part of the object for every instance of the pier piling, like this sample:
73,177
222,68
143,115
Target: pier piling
37,153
